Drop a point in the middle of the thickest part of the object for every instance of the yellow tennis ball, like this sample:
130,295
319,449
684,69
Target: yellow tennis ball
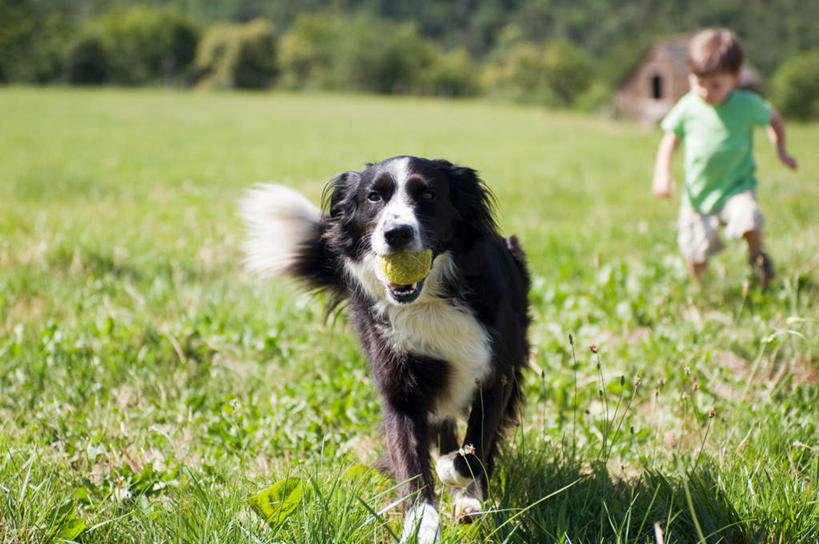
406,267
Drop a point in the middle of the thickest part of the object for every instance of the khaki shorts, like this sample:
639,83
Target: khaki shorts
698,236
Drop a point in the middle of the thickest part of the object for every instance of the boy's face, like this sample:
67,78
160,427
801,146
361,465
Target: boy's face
713,89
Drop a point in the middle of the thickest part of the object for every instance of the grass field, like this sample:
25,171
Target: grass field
149,387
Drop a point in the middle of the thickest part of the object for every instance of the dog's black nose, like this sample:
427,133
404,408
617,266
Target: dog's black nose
399,236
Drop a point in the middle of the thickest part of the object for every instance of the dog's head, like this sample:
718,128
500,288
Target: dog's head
405,204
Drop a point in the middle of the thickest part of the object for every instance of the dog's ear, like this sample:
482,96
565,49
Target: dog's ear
338,197
473,199
339,201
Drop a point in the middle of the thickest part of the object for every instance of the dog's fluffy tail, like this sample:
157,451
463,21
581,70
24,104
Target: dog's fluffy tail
284,237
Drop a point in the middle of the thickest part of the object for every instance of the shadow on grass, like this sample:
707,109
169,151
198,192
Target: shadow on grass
566,502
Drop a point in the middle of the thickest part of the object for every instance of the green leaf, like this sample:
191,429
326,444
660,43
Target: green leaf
67,526
71,529
277,502
82,495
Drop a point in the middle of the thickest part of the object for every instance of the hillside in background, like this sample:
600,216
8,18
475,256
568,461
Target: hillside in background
556,53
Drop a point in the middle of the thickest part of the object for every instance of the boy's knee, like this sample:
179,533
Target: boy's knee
742,215
698,237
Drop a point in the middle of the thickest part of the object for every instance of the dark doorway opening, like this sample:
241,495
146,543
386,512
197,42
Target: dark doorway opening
656,87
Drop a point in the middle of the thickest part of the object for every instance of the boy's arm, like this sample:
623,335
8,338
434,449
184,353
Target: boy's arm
663,183
776,132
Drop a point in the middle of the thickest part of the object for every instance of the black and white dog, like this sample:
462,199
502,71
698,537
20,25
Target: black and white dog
452,345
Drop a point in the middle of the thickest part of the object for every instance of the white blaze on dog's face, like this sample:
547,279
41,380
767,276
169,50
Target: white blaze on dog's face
397,228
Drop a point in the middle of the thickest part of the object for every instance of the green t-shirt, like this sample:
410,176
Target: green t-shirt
718,160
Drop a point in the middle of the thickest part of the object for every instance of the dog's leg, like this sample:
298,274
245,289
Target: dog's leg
443,437
408,447
422,525
471,466
466,507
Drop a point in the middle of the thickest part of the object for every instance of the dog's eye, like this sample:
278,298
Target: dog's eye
428,194
374,196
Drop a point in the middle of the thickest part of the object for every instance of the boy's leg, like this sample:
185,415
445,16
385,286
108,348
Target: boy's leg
754,240
761,264
698,240
697,270
744,219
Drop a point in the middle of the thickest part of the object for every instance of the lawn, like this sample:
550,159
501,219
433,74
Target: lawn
149,387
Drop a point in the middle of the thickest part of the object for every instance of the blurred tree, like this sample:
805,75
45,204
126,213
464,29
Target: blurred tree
553,75
451,73
380,57
144,44
242,55
86,62
216,57
256,59
795,86
568,70
372,55
306,52
32,35
517,74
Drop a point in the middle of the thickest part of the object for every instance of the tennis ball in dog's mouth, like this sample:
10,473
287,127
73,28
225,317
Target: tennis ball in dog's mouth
406,267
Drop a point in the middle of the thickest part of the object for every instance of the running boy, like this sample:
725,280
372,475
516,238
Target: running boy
715,121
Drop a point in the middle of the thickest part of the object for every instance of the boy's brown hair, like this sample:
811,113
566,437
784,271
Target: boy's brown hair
714,51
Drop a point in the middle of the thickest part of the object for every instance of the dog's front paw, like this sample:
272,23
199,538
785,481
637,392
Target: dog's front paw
422,525
448,472
465,509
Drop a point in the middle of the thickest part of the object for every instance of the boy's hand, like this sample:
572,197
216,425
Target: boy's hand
788,161
663,185
776,132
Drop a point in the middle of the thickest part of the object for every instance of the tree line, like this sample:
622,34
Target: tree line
566,53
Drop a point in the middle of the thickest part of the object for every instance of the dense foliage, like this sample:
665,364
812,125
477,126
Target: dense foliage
132,46
554,74
364,54
239,55
796,86
439,48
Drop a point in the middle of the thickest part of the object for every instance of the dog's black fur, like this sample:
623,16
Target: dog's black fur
477,276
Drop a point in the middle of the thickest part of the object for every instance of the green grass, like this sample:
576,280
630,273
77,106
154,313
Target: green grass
148,387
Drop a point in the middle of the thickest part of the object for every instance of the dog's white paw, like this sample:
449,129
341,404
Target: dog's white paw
466,509
422,525
448,474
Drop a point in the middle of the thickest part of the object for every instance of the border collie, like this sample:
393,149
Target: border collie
450,346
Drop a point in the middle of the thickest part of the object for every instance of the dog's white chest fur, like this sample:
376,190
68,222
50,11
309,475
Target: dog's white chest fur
437,328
